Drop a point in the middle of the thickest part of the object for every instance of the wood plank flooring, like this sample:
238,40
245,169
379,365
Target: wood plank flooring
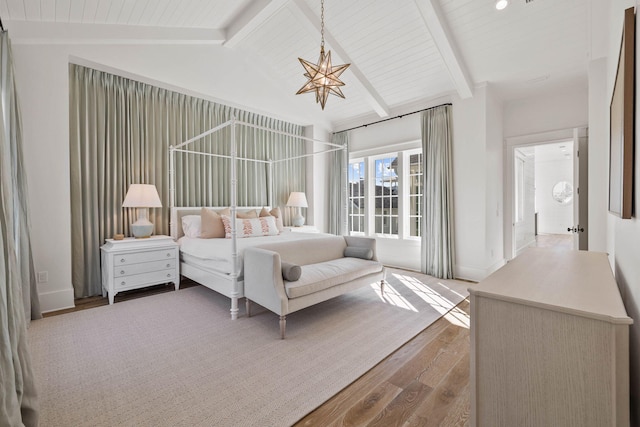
423,383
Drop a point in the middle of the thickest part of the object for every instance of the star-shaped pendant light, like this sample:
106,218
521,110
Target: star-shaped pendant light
323,78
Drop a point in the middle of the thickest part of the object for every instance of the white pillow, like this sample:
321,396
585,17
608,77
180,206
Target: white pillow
251,227
191,225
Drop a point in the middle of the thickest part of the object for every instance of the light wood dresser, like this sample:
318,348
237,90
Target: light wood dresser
550,343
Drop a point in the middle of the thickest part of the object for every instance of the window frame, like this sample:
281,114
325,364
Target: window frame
365,210
373,159
403,155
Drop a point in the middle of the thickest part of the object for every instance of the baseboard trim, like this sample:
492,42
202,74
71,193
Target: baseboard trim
56,300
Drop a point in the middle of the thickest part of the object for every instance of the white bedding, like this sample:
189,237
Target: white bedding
215,254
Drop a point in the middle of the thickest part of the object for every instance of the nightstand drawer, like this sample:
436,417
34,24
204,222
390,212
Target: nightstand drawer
138,257
147,278
145,267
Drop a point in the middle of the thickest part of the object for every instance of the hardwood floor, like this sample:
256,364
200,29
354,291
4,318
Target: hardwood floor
559,241
423,383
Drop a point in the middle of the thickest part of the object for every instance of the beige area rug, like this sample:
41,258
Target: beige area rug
177,359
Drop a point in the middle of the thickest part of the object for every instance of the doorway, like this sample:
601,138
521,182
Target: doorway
543,183
543,206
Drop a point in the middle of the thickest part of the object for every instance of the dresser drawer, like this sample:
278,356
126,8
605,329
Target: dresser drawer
144,267
147,256
146,278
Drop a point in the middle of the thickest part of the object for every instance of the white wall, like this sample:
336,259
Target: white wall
623,239
564,108
525,229
478,184
553,217
494,247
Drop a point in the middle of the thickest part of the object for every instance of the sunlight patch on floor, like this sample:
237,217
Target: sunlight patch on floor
451,290
458,317
431,297
392,296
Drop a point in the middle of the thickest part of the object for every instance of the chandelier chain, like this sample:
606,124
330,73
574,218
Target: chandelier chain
322,25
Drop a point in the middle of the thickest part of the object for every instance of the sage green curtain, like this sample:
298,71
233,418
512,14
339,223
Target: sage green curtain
338,187
18,294
438,254
120,133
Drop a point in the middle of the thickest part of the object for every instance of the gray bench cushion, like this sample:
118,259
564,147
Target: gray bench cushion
317,277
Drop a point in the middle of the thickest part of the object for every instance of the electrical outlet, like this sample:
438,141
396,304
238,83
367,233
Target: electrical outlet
43,276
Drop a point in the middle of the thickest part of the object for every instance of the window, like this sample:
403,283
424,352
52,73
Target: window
385,195
415,195
356,197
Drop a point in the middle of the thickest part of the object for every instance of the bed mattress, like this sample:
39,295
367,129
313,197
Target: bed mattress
214,255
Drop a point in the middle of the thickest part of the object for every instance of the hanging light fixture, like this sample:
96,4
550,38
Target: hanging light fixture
324,79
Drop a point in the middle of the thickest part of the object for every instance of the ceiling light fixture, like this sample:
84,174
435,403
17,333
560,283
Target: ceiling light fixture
323,77
501,4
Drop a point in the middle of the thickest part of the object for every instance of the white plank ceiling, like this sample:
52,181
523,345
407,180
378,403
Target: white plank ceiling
404,53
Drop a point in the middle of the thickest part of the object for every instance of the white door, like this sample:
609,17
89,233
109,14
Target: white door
581,192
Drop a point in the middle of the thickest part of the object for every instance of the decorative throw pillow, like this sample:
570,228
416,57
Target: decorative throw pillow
211,226
290,272
245,215
264,212
358,252
191,225
251,227
279,223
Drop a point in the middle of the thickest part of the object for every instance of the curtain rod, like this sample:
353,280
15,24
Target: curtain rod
393,118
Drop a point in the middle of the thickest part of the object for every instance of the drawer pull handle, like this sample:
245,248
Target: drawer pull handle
168,254
122,283
168,274
121,271
168,265
122,260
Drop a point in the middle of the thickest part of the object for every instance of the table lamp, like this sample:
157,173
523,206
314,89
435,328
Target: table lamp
297,200
142,197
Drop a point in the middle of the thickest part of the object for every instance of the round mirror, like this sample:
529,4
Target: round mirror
562,192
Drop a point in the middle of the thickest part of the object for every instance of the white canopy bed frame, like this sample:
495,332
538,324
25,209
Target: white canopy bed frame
231,284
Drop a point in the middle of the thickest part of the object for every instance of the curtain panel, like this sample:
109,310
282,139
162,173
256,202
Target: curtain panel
438,254
18,293
338,186
120,134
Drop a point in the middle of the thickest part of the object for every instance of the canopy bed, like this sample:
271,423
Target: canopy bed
217,263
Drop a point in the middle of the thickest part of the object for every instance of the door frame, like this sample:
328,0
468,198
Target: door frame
569,134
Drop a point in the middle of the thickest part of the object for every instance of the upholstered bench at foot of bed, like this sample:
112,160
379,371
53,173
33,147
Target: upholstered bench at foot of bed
325,273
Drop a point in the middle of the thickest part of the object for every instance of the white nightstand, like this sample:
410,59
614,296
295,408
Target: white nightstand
135,263
304,229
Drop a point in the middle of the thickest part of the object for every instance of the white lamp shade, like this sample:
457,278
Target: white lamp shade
142,196
297,200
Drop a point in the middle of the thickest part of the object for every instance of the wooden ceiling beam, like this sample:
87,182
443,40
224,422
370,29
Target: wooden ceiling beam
305,13
252,17
436,25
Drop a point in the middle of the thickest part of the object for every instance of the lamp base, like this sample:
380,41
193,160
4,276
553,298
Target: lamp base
142,231
298,220
142,228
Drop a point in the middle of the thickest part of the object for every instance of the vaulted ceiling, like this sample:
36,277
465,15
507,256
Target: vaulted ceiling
403,53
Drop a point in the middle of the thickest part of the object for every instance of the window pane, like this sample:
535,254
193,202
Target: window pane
356,194
414,226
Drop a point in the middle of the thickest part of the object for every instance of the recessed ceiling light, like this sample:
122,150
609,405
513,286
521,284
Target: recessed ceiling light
501,4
